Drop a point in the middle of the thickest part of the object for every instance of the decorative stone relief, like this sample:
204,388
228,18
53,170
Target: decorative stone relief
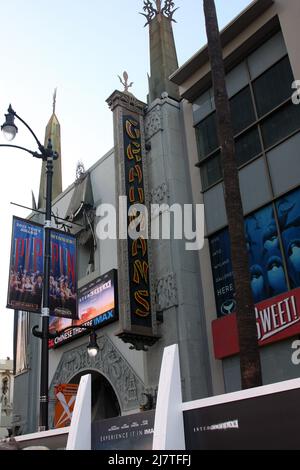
166,293
160,194
110,363
153,122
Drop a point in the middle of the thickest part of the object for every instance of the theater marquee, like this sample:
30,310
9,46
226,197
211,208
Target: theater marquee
138,324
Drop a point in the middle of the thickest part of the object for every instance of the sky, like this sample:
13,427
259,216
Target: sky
80,47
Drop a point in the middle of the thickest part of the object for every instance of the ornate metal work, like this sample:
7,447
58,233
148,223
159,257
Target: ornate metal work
167,10
125,82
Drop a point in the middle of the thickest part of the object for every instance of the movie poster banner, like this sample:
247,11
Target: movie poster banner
97,306
25,282
26,274
63,275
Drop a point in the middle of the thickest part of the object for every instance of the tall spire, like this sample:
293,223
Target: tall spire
54,99
53,133
163,56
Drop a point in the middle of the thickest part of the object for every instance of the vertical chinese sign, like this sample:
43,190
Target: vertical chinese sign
136,288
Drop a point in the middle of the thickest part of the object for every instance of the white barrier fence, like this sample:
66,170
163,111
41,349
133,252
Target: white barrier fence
269,417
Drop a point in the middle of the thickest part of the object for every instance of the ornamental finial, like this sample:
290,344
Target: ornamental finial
125,82
167,10
54,99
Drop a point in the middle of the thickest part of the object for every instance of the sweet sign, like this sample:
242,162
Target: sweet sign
277,319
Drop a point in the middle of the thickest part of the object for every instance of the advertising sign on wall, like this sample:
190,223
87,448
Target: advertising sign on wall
266,253
277,319
65,395
97,306
263,422
131,432
26,274
222,273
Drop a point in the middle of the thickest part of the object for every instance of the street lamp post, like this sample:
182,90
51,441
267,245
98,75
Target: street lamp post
47,154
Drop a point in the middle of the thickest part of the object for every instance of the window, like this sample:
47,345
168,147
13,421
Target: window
242,110
247,146
273,87
282,123
206,133
211,171
262,114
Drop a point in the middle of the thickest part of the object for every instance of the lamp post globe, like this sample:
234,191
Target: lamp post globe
93,347
9,128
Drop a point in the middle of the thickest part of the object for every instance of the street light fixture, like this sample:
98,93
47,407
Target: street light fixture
9,128
93,347
47,154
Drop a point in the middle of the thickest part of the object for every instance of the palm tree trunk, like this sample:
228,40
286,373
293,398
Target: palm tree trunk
249,351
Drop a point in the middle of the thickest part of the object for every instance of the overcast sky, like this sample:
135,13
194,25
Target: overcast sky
79,46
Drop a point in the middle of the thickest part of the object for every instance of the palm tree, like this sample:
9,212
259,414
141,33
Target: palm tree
249,351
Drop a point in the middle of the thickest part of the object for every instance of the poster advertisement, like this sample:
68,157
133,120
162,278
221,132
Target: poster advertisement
65,397
25,282
266,266
266,263
288,208
97,306
222,273
257,423
26,272
63,281
131,432
277,319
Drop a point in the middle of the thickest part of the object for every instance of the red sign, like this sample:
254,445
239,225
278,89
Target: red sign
276,319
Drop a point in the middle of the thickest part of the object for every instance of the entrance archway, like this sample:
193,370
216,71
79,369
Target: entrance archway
105,403
110,364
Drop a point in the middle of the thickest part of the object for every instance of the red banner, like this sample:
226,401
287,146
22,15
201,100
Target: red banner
276,319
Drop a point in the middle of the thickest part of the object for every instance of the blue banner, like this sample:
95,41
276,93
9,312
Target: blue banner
63,281
26,275
26,266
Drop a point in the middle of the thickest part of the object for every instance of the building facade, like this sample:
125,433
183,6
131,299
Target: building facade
6,401
261,59
166,152
160,301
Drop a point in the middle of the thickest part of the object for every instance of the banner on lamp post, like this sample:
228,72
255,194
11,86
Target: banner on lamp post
26,272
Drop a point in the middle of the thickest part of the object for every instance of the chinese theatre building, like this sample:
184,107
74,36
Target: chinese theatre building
141,294
261,53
